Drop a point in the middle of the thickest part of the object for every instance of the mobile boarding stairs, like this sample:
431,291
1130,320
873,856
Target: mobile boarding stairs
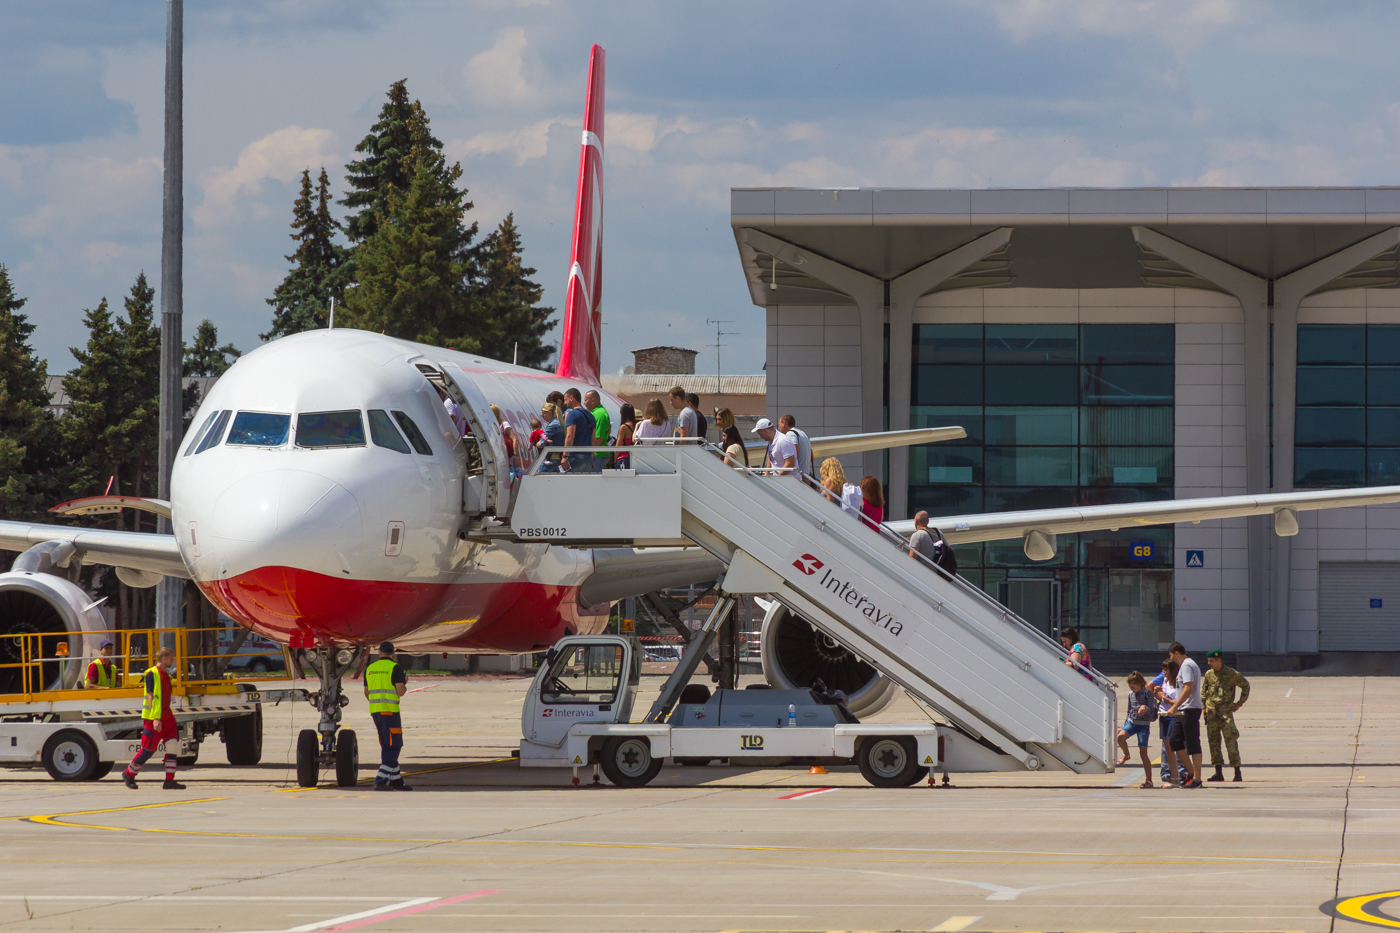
996,678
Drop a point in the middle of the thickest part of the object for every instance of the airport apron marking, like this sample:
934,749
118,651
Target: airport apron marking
1364,908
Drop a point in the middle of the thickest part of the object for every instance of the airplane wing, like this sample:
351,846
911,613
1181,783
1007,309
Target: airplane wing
134,549
622,572
968,529
838,444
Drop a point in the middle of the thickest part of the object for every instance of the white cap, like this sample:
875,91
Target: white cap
763,425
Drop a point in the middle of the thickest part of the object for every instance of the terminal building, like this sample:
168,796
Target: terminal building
1112,345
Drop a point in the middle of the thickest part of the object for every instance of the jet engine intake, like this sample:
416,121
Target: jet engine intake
56,611
795,654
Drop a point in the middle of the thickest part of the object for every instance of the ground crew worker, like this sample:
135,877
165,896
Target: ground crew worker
385,682
157,722
102,672
1218,691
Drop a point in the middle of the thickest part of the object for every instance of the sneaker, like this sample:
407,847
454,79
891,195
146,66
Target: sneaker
129,779
399,786
172,784
1193,785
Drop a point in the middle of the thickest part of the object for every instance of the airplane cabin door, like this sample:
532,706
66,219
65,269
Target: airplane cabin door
487,485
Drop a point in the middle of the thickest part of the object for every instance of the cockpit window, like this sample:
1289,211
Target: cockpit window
330,429
415,436
203,430
215,433
381,429
259,429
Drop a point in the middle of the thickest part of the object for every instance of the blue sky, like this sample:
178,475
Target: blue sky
701,98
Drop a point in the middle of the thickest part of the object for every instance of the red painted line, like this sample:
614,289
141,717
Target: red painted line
807,793
409,911
416,689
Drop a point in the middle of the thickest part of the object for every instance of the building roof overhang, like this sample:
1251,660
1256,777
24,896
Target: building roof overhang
1060,237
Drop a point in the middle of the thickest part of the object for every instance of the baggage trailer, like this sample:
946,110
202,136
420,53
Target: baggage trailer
48,720
579,706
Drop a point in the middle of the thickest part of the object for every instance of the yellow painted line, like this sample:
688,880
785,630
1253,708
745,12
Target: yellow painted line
370,780
1364,908
52,819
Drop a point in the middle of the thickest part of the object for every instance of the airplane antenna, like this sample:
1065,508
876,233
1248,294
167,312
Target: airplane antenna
332,321
774,283
515,359
719,342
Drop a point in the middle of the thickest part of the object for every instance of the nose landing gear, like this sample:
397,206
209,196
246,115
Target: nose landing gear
328,746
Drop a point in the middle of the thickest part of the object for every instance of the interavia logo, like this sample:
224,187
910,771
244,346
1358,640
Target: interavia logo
808,564
844,591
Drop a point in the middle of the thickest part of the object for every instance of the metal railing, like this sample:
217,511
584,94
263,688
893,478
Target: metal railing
646,460
53,665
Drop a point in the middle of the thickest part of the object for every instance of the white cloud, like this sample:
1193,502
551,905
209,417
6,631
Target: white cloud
1175,20
281,156
496,77
528,142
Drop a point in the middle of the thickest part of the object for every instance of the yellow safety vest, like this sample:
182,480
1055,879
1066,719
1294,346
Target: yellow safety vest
106,674
151,705
379,681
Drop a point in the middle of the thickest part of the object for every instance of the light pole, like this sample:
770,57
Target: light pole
172,343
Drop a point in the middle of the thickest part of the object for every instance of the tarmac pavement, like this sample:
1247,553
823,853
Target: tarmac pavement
483,845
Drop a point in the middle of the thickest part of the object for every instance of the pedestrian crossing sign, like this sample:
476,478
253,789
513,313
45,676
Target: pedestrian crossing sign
1195,558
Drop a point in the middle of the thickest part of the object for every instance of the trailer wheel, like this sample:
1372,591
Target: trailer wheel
103,769
347,759
69,755
628,762
889,761
185,762
243,739
308,758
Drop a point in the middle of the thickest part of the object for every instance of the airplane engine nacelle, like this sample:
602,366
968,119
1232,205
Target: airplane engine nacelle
795,654
54,609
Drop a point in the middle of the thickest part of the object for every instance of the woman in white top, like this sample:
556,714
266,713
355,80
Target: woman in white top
733,444
837,489
653,427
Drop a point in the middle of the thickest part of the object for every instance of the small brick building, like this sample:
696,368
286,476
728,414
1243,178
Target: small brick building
649,360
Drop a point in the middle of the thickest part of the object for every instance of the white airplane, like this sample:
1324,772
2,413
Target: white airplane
324,499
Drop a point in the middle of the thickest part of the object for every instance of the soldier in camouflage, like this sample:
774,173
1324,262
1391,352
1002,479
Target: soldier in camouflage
1218,693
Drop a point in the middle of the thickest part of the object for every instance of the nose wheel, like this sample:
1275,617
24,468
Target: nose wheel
328,746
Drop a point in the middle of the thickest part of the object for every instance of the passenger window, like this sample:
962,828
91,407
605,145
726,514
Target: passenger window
216,432
259,429
415,437
330,429
203,430
381,430
587,674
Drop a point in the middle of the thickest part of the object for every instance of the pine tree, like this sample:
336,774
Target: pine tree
204,358
29,441
302,301
411,284
505,301
113,423
382,168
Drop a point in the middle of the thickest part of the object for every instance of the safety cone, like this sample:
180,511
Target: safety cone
817,769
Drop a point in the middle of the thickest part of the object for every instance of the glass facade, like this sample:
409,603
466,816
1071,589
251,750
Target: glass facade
1057,415
1347,431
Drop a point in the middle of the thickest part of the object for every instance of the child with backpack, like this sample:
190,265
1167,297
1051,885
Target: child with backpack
1142,711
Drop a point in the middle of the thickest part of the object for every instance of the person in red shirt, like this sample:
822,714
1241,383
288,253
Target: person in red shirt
157,723
102,672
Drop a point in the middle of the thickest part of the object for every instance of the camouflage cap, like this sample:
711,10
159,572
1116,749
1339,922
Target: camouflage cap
1217,653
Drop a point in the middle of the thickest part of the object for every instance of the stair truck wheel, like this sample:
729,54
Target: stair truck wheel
889,760
186,762
69,755
308,755
628,762
347,759
243,737
103,769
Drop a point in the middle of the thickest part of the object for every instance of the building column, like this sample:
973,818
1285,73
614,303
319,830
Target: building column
905,291
1268,630
869,293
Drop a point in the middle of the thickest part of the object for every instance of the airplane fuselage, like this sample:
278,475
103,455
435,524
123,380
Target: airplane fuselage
293,521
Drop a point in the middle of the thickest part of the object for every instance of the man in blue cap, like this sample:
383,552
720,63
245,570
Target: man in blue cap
102,673
385,683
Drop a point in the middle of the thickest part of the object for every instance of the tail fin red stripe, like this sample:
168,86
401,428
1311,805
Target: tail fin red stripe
580,354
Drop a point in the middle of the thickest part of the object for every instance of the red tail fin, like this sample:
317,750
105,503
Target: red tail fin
581,353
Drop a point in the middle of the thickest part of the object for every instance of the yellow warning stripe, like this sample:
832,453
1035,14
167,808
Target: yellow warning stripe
1364,908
